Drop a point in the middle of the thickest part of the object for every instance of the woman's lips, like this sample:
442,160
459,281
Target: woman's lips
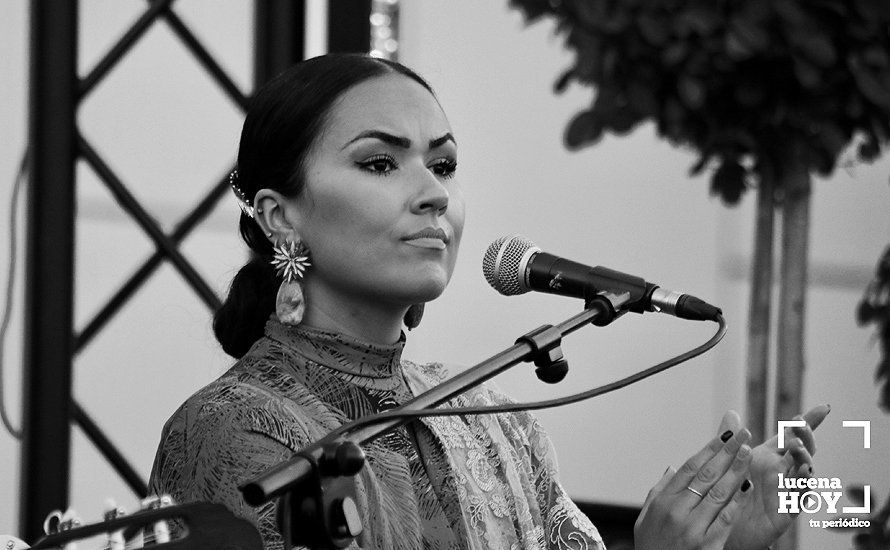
427,242
430,237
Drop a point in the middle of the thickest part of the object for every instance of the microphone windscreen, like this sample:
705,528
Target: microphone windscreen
504,264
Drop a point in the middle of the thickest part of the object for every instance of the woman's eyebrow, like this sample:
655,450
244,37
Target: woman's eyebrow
398,141
441,140
385,137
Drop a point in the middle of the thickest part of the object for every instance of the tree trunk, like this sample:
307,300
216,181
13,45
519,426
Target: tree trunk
792,300
759,309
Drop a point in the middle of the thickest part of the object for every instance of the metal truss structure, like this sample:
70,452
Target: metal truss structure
51,340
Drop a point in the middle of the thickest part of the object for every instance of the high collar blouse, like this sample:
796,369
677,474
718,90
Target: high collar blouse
479,482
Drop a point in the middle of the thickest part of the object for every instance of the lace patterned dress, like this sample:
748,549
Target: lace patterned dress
477,482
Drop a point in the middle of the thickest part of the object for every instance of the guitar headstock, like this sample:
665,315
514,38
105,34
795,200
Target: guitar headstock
159,524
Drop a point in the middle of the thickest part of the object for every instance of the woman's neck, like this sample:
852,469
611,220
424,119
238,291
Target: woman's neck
373,321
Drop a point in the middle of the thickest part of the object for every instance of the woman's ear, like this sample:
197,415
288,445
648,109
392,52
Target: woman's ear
275,215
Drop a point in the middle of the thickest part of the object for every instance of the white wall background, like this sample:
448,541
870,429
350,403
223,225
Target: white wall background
626,203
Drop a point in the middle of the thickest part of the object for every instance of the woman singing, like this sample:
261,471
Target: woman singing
351,204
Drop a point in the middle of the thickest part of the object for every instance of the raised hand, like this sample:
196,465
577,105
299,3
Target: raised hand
696,507
758,523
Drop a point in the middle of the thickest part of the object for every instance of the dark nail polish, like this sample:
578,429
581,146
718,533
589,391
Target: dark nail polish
746,485
810,469
724,437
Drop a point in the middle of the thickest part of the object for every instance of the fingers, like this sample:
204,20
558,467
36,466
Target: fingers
690,468
798,459
813,419
695,506
805,435
731,421
658,488
801,446
816,415
721,493
719,530
718,479
654,491
700,522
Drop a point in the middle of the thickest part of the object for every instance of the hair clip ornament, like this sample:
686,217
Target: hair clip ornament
243,202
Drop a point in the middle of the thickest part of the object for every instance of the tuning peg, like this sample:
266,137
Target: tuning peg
52,522
115,539
69,520
9,542
160,530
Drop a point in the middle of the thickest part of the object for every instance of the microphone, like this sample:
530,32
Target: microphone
514,265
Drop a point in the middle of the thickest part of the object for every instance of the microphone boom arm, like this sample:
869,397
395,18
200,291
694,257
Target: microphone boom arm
318,470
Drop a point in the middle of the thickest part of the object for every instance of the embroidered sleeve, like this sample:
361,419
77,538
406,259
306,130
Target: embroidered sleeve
211,446
565,526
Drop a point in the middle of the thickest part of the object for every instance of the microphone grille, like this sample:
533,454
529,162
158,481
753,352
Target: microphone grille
505,260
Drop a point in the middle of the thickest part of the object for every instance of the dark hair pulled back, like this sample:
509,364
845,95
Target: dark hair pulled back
284,119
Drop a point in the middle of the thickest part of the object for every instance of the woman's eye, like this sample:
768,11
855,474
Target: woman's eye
380,164
444,168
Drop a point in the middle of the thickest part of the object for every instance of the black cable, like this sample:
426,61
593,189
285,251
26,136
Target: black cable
537,405
20,178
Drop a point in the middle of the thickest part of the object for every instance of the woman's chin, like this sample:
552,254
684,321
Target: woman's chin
426,294
428,280
423,290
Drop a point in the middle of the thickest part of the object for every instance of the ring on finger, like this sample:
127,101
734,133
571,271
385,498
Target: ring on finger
700,495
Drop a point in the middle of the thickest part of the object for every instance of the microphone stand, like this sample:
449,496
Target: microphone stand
316,489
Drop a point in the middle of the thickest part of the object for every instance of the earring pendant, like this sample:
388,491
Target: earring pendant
290,259
289,303
413,316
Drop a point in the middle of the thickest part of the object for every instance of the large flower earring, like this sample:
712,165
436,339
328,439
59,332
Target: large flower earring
413,316
290,261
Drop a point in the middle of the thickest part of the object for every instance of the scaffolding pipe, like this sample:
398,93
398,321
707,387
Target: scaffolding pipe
279,32
49,292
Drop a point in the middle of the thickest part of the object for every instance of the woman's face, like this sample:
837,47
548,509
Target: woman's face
382,212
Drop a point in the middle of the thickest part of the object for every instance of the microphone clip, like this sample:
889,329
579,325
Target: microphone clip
614,305
545,341
551,365
322,512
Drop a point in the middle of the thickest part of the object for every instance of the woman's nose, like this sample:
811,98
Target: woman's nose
431,197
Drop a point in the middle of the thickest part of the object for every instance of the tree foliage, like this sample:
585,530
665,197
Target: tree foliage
746,83
875,309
